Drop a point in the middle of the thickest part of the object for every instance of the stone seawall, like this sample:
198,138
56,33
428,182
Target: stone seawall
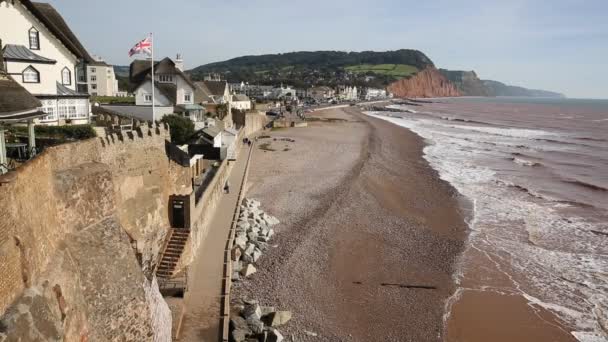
201,215
254,122
81,228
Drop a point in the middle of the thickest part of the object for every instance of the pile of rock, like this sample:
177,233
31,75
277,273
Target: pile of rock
257,323
253,232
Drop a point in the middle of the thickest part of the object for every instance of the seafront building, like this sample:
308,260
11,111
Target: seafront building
375,94
241,102
321,93
101,79
17,105
348,93
45,57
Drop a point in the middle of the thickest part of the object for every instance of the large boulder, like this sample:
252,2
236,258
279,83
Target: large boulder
274,335
278,318
241,241
235,253
248,270
253,310
239,329
243,225
262,246
271,220
237,266
247,259
250,248
256,255
266,310
255,324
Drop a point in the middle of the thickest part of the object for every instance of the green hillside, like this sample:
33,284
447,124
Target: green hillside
308,68
396,70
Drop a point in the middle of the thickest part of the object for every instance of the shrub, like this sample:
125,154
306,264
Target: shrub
181,128
113,99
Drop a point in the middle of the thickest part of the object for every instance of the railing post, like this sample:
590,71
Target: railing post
31,138
3,168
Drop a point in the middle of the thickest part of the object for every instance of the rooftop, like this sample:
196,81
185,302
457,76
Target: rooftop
20,53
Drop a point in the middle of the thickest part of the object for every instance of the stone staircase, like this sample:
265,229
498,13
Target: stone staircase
172,253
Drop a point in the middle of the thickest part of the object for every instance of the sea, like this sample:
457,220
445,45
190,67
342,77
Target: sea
536,174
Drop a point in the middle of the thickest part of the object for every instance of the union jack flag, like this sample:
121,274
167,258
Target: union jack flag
145,46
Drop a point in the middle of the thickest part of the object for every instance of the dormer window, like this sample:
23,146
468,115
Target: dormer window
31,75
187,97
66,76
165,78
34,39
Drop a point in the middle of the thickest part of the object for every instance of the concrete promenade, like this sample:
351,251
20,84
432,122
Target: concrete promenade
202,301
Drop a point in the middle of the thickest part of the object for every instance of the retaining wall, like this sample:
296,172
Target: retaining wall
81,228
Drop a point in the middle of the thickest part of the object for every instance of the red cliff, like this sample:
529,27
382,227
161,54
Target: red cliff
427,83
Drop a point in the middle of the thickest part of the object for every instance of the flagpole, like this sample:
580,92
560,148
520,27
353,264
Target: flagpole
153,105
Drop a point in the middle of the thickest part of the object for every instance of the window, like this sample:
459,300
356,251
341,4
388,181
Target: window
94,93
48,107
94,86
93,70
148,98
31,75
93,78
165,78
187,97
66,76
34,39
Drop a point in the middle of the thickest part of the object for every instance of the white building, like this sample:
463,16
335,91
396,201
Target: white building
322,93
282,93
101,78
173,91
45,57
241,102
348,93
374,93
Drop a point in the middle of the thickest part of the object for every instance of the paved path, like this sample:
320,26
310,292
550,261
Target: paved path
202,319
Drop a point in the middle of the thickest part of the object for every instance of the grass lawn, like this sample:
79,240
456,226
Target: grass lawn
396,70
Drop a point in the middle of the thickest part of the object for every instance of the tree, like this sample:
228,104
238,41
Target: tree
181,128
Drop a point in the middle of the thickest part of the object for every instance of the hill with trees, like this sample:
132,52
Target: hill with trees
302,69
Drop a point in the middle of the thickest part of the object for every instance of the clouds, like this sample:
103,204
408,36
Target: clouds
526,42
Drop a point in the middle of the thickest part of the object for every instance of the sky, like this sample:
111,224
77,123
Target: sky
558,45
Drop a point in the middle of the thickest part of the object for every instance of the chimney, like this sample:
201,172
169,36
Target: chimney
179,62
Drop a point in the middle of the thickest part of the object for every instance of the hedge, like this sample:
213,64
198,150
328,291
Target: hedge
71,132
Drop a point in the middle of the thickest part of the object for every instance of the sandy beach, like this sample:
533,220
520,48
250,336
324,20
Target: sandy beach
369,234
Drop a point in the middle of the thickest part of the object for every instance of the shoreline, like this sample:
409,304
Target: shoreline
494,312
360,237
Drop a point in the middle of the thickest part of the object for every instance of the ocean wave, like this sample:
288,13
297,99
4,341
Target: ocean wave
576,204
591,139
562,270
449,118
524,162
585,185
562,142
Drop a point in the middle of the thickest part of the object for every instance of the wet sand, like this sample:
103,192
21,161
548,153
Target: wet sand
369,239
488,316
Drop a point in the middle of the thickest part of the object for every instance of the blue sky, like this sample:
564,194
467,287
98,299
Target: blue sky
559,45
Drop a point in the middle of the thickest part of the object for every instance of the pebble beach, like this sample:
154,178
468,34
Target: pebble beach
369,235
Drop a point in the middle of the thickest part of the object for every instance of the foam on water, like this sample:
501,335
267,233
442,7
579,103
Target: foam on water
552,260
